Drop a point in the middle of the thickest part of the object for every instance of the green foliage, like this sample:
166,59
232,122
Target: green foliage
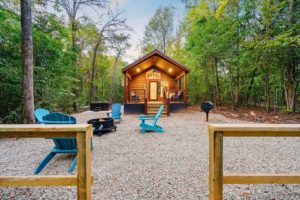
10,62
159,30
253,45
61,74
243,52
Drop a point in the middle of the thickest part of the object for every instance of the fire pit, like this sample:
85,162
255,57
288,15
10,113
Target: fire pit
102,125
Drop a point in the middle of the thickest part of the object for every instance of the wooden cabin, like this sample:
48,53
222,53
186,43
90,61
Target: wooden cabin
153,80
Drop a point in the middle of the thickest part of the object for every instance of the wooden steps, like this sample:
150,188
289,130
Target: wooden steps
152,109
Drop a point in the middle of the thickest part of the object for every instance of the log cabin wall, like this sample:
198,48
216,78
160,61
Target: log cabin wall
140,82
173,76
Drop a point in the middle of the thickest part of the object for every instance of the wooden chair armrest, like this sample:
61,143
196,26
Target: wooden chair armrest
147,118
57,122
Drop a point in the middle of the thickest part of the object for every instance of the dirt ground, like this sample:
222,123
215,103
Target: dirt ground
254,114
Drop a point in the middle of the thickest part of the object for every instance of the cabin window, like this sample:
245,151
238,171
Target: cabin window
159,89
164,87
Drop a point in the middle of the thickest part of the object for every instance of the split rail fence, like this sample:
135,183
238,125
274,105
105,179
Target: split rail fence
216,134
83,178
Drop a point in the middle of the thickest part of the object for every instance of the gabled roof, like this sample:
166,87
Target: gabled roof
156,53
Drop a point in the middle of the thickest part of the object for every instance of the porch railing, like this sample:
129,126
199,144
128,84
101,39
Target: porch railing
136,95
167,105
146,106
174,97
140,95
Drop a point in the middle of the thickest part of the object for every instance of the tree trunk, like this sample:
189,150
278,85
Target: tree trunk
218,95
75,62
290,83
207,93
93,77
27,63
248,92
102,86
94,68
292,63
231,90
113,81
237,78
267,89
237,88
164,44
74,32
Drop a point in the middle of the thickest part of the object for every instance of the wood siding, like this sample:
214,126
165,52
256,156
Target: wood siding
140,82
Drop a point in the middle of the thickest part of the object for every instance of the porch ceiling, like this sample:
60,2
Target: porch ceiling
158,60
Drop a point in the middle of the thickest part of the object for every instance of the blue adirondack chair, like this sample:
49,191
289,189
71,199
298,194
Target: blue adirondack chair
115,112
62,145
152,126
39,114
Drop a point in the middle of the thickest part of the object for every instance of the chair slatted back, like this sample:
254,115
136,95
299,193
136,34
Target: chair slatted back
116,110
60,118
65,143
43,116
157,116
39,114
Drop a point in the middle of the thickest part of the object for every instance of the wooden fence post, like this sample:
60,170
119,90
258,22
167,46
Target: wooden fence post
84,181
215,165
145,106
216,134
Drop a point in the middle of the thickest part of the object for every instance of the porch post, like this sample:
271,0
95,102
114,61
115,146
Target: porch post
125,89
185,88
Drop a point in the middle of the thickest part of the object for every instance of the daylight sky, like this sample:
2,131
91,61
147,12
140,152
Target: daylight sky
138,13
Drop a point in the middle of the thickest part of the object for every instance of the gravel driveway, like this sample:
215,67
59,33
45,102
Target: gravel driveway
173,165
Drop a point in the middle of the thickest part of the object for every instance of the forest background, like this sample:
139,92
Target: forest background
241,53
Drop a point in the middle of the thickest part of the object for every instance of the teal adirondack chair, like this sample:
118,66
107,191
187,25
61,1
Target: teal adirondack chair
62,145
115,112
152,126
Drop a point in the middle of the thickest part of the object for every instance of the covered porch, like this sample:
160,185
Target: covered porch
154,79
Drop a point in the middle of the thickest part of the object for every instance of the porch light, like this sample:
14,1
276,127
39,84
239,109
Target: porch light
138,69
170,70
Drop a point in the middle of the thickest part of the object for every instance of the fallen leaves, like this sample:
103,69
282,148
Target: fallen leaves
245,194
258,115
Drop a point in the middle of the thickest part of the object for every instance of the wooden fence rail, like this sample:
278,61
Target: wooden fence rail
216,134
83,178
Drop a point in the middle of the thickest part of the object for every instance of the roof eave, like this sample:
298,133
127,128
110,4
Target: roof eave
155,51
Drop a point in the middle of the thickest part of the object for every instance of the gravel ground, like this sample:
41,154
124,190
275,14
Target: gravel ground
173,165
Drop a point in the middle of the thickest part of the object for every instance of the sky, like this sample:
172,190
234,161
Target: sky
138,13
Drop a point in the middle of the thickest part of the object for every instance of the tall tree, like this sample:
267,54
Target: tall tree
114,27
293,61
27,62
208,41
120,45
72,7
159,30
190,3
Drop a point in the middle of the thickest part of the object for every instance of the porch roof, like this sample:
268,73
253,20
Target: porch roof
158,60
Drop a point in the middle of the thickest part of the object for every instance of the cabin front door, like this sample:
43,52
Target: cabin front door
153,89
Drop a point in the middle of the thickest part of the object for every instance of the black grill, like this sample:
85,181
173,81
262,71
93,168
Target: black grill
206,106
